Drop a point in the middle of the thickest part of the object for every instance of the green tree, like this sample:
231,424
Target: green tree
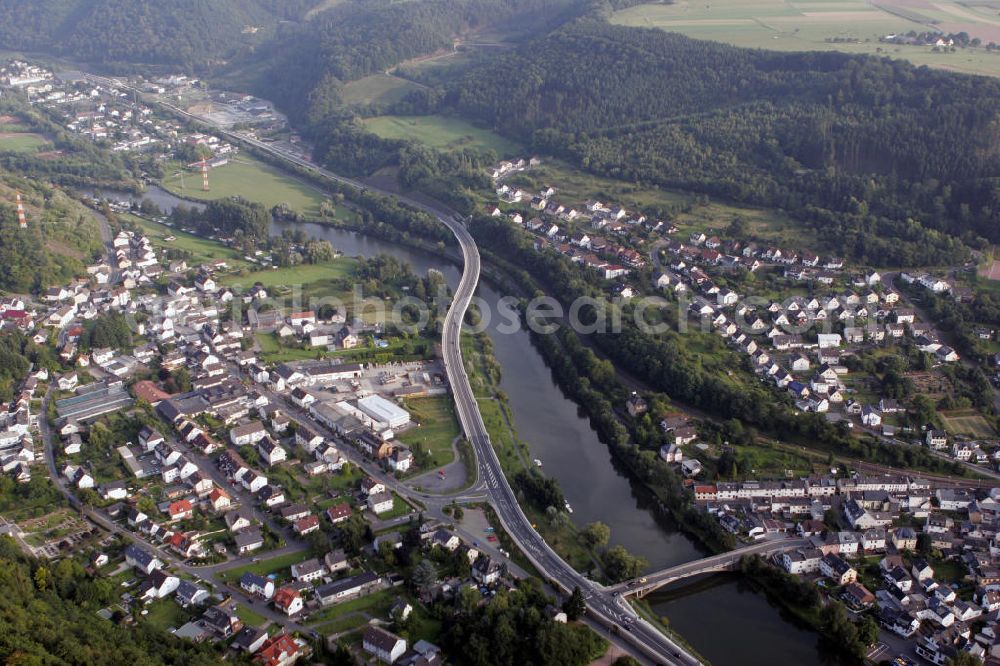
468,599
181,378
621,565
964,659
43,579
868,631
596,535
575,605
625,660
839,629
424,575
387,552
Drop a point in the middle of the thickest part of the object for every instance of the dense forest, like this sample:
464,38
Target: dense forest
355,39
512,628
186,33
872,149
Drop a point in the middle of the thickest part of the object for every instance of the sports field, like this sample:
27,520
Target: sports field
991,270
851,26
248,178
440,132
22,142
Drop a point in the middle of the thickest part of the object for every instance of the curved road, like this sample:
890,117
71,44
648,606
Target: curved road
607,608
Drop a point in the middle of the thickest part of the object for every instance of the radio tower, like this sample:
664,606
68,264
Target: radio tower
203,166
22,221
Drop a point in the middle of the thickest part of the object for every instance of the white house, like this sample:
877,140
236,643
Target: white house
383,645
380,502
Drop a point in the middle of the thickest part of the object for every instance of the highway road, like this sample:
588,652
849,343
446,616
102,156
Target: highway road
607,608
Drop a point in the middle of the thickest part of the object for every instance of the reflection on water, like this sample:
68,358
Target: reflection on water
731,624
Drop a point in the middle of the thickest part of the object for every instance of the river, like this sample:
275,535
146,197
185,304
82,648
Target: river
560,436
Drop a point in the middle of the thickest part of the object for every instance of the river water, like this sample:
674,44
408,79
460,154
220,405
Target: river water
724,620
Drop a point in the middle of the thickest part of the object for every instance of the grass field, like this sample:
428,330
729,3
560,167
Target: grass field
851,26
438,428
376,604
249,616
340,625
440,132
249,178
165,614
399,508
201,249
22,142
376,89
266,567
302,274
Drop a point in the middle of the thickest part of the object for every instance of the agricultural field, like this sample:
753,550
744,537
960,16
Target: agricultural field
440,132
850,26
968,423
376,89
250,179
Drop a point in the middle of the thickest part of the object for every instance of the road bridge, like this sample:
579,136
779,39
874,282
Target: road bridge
727,561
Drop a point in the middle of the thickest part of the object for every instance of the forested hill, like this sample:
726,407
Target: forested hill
187,33
865,136
305,65
50,617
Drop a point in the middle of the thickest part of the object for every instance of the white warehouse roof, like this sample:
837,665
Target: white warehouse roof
384,411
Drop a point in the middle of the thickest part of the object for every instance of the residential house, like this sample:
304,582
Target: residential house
383,645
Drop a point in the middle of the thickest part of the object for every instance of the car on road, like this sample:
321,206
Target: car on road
491,538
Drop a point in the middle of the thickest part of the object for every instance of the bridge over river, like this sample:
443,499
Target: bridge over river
727,561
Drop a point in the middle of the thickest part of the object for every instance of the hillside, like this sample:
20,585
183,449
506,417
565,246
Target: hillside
130,33
61,239
354,39
858,146
50,617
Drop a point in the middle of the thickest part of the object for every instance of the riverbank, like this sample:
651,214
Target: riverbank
599,485
576,369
